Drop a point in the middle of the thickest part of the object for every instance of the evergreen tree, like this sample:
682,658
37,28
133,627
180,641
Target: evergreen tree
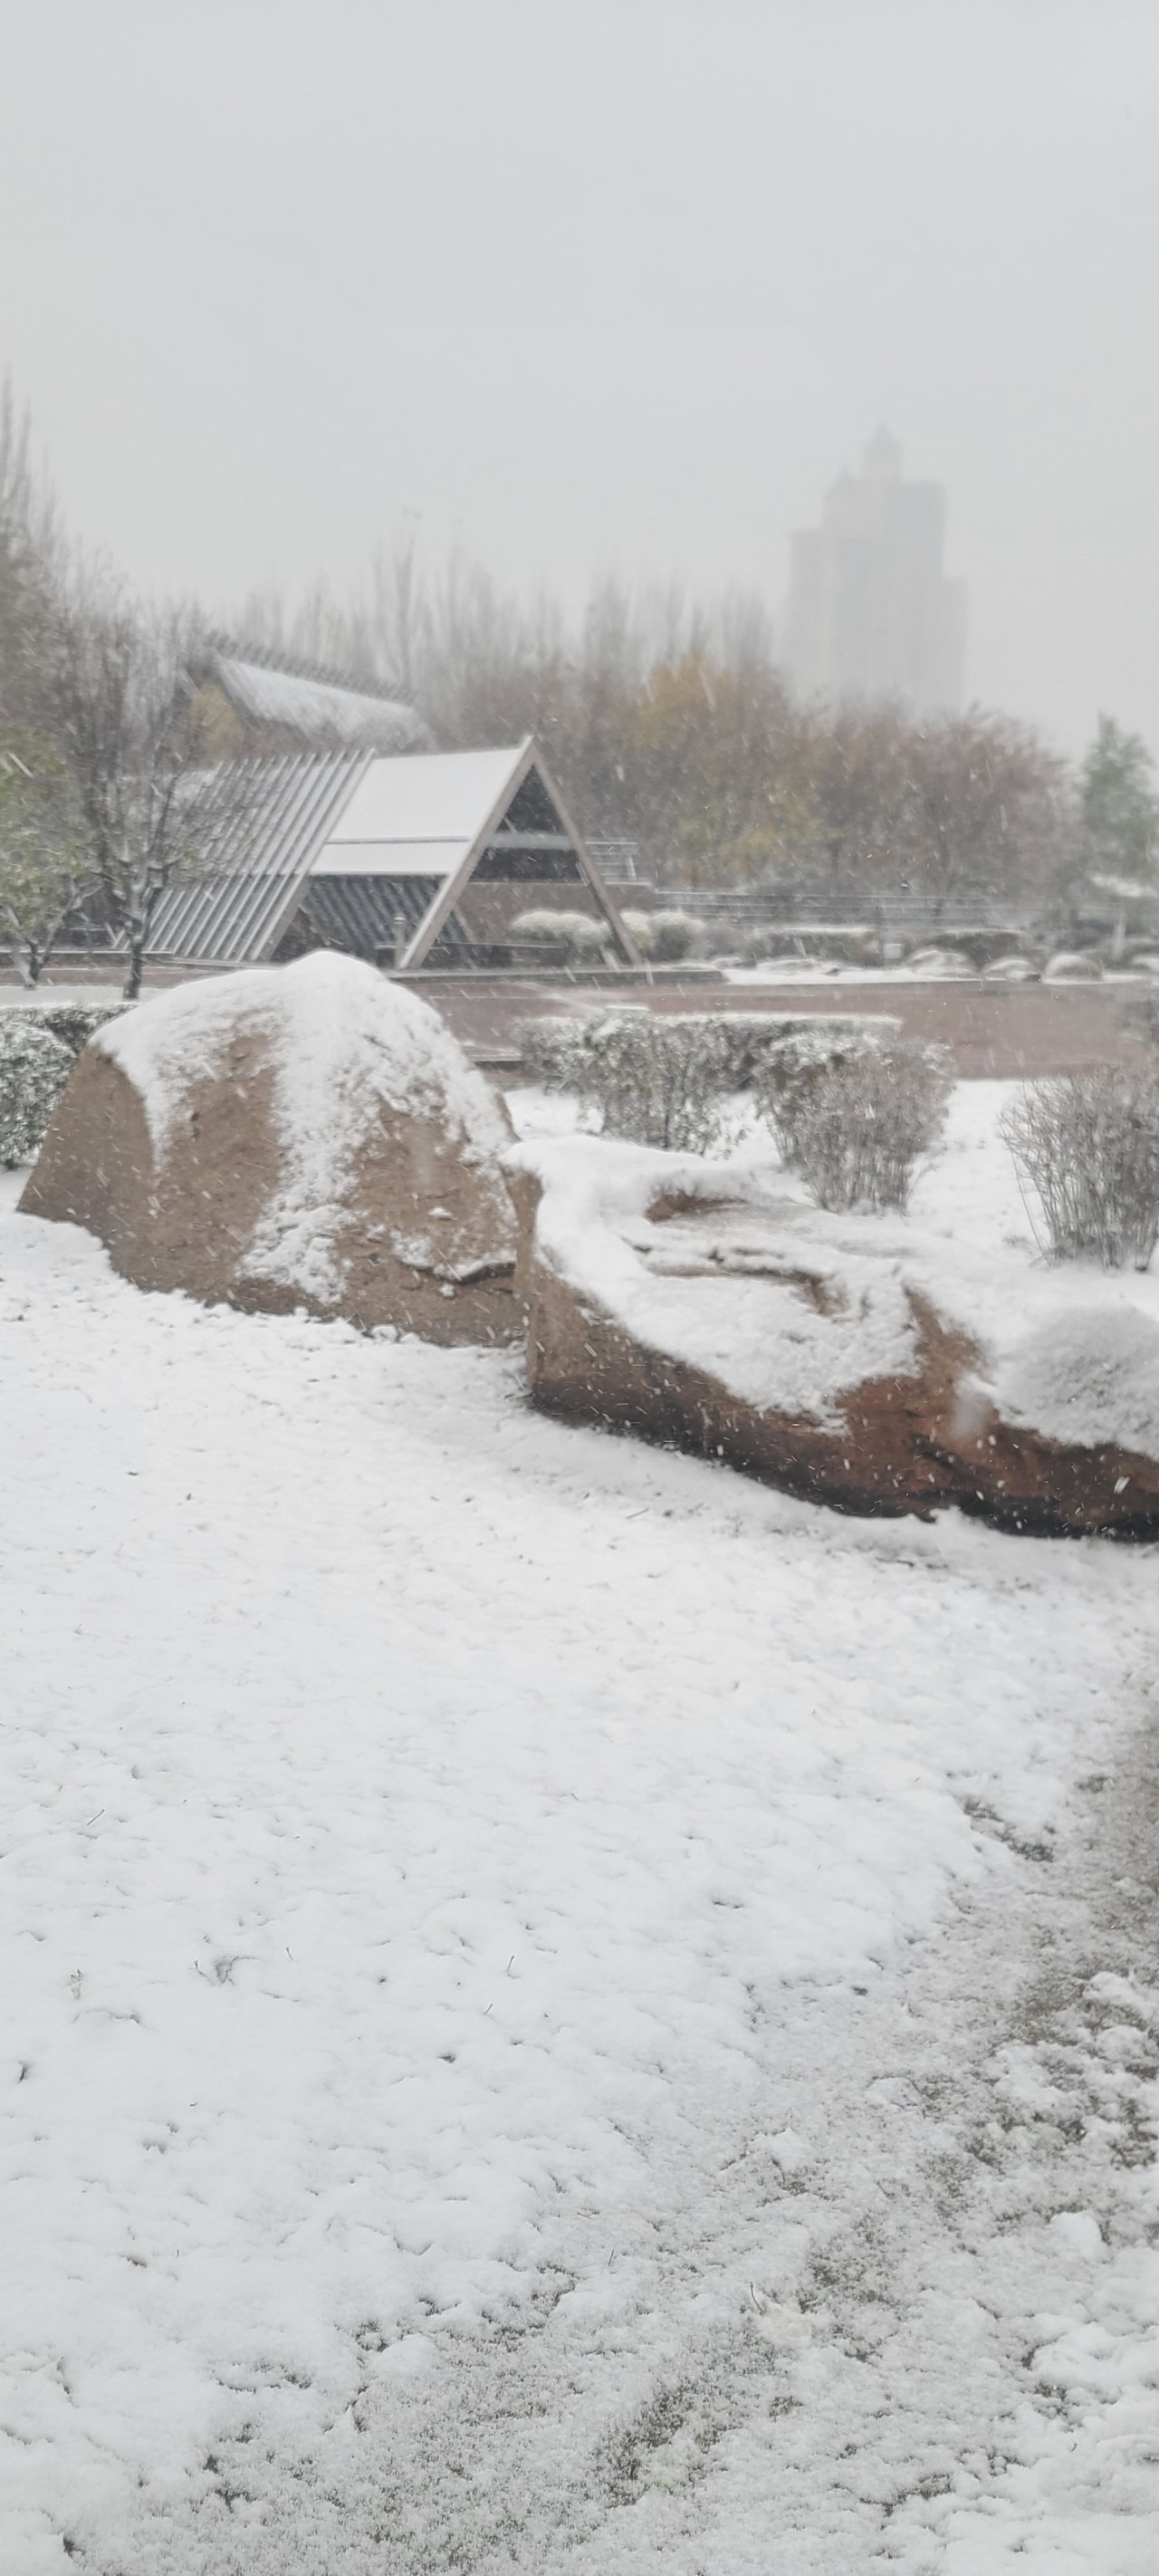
1120,810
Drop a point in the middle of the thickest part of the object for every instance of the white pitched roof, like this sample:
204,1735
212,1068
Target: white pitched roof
419,816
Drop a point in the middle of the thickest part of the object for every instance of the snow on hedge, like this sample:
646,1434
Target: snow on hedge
34,1068
74,1022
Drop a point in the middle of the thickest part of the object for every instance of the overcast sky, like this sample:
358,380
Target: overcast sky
595,283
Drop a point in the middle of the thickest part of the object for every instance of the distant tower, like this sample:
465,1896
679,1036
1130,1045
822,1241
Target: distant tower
871,613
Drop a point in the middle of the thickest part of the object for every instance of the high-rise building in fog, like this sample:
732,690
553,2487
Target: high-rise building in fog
871,613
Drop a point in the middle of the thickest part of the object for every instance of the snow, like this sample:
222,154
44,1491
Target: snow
1069,1350
665,1283
421,815
47,996
1090,1374
564,2011
823,970
344,1043
1075,1348
309,707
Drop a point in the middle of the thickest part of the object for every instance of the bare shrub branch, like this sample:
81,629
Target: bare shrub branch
1086,1148
859,1129
655,1081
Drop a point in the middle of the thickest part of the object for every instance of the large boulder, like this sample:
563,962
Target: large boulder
306,1135
704,1305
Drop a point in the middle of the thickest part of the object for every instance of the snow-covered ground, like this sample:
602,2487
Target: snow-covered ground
564,2010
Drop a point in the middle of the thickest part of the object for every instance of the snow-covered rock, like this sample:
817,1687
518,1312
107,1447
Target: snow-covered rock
848,1358
308,1135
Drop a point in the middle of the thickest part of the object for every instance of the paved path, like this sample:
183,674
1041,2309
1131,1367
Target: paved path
992,1033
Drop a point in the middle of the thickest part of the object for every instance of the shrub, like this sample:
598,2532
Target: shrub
34,1068
1071,966
560,1052
576,932
1087,1146
656,1080
74,1022
800,1054
670,935
866,1121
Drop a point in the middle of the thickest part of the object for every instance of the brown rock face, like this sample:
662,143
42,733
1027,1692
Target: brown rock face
907,1442
304,1136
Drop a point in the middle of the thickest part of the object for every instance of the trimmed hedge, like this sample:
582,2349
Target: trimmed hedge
34,1068
38,1049
661,1078
73,1022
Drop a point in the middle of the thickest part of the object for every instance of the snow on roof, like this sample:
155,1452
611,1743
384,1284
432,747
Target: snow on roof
434,796
420,816
318,710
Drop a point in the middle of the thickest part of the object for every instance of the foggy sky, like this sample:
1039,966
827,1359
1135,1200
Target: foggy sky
601,283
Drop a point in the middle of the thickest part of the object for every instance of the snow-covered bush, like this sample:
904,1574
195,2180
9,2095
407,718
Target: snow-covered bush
666,936
789,1069
862,1127
582,936
74,1022
1072,966
34,1068
658,1080
734,1047
1087,1146
553,1052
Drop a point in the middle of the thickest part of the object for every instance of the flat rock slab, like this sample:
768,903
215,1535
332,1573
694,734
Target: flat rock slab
302,1136
687,1302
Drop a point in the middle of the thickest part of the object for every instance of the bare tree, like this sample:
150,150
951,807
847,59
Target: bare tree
44,871
156,805
670,727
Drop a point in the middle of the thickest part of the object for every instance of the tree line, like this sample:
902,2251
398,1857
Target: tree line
108,788
668,724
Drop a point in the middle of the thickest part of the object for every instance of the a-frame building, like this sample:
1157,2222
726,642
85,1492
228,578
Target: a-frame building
420,860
